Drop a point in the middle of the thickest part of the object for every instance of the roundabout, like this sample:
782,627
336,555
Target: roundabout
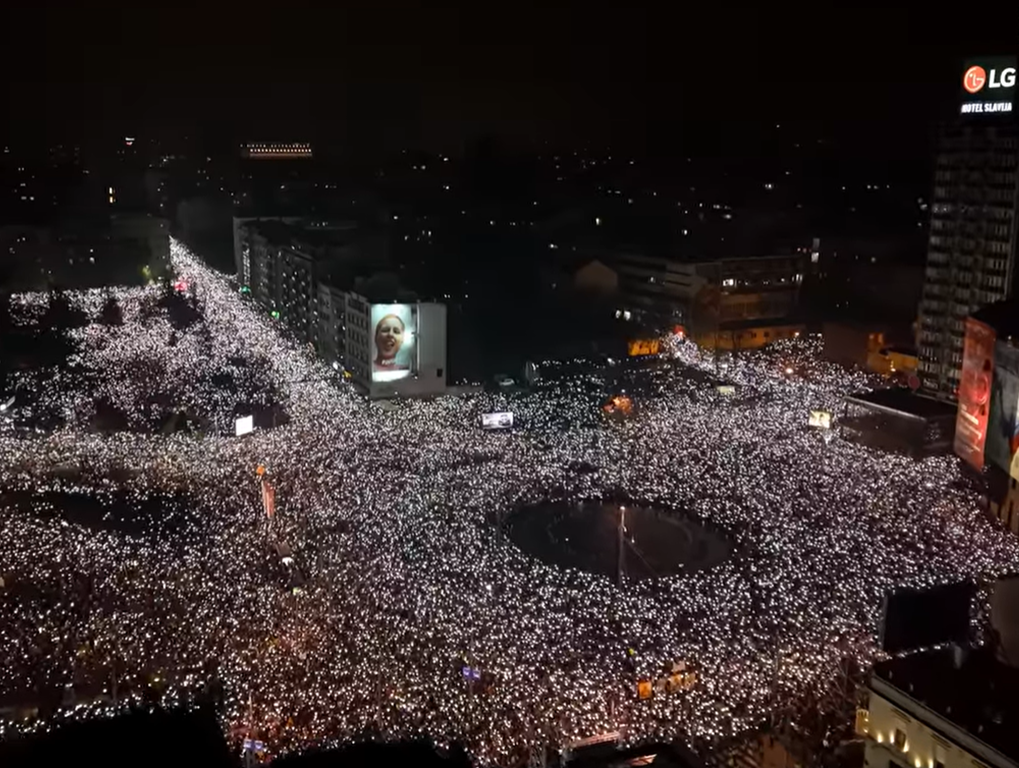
586,536
771,569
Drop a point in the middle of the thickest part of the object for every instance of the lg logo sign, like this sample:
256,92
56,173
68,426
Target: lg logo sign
976,78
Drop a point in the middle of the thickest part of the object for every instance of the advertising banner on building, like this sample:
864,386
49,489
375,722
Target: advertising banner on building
1002,446
974,392
988,85
394,334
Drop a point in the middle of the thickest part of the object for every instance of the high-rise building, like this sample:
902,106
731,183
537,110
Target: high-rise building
972,248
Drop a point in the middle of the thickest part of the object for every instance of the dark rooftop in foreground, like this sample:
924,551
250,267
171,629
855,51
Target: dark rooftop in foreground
408,754
151,739
1002,316
195,739
660,755
979,695
904,402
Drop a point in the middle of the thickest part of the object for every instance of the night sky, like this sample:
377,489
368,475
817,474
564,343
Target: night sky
379,75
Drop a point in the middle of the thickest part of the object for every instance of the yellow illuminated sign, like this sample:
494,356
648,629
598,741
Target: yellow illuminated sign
642,347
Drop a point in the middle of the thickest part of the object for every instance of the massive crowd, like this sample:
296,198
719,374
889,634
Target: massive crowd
418,615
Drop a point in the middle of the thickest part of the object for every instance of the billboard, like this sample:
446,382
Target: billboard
1002,446
988,85
500,420
393,341
974,392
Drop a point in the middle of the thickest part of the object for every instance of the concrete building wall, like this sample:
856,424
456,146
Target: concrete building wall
357,335
331,334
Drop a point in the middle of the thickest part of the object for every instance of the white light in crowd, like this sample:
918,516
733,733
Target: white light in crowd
388,514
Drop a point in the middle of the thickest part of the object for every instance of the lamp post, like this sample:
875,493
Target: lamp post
621,547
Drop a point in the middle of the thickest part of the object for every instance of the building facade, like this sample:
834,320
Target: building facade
949,708
297,293
244,230
421,372
730,303
972,248
310,276
285,264
332,307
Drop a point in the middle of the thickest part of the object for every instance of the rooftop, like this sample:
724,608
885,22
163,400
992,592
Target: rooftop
905,402
978,695
298,235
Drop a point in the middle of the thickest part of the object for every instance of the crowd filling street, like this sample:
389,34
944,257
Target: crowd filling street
138,566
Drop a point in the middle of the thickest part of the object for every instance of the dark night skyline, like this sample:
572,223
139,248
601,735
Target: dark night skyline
383,75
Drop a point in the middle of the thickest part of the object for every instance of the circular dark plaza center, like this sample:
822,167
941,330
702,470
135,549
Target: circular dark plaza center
585,535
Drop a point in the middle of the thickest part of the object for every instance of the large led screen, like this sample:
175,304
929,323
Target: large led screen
974,392
394,331
1002,448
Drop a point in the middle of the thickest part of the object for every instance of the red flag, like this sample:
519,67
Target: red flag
268,498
